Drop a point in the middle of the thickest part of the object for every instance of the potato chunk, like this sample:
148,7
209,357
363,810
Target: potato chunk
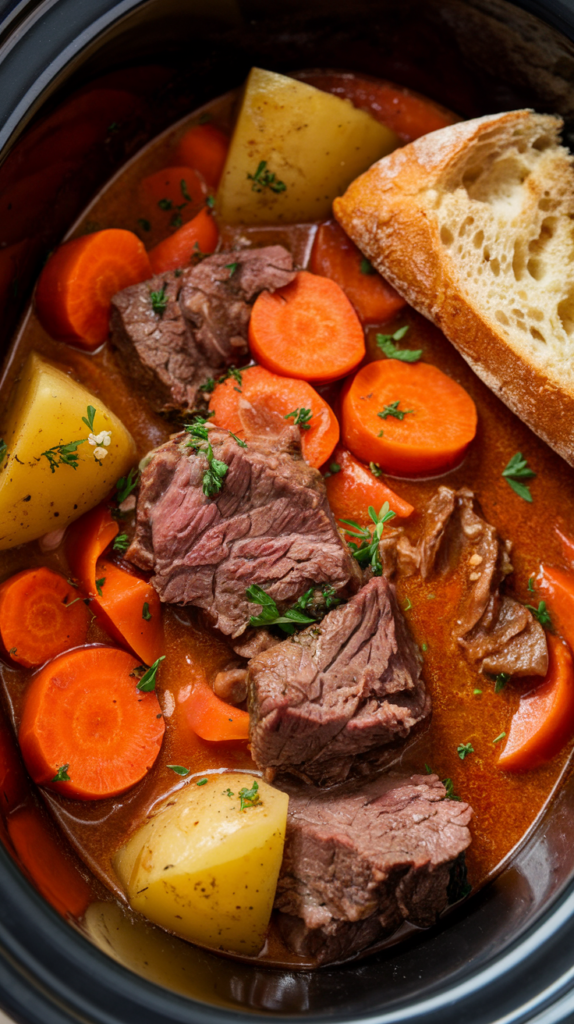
312,144
37,493
206,864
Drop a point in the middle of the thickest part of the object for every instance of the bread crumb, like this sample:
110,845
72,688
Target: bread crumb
475,559
474,576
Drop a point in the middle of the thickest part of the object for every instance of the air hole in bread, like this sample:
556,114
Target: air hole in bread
495,266
543,142
502,317
546,204
535,314
566,312
536,268
446,235
518,260
518,313
486,253
537,335
547,229
478,239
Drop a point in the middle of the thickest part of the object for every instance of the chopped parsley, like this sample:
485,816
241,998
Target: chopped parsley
158,300
214,475
447,783
208,387
165,204
231,267
464,749
541,614
62,774
184,191
515,472
202,782
127,484
477,692
500,681
144,224
330,597
89,420
121,542
3,450
270,614
500,737
227,792
210,202
386,343
375,468
179,769
531,584
146,614
364,544
235,375
99,585
367,267
408,605
393,410
176,221
240,442
63,455
264,178
301,418
147,681
334,467
249,797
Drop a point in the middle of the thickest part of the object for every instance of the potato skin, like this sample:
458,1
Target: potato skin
47,410
313,142
204,868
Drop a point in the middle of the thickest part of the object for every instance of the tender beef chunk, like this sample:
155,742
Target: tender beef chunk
231,684
270,525
360,861
496,632
202,329
217,296
156,350
328,702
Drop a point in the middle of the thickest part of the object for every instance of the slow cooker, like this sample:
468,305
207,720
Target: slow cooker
507,953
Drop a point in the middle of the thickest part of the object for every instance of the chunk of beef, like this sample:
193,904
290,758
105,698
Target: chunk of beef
230,684
360,861
156,350
496,632
202,329
328,702
218,294
270,525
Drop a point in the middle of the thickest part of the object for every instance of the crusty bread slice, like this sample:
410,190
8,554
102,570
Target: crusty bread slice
474,226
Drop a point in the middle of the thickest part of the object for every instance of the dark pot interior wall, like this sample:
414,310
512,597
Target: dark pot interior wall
475,58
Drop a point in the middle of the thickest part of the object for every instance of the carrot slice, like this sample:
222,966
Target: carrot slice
544,721
77,284
308,329
264,402
334,255
410,418
211,718
84,710
557,586
204,147
198,236
352,488
126,606
41,615
171,197
566,541
41,855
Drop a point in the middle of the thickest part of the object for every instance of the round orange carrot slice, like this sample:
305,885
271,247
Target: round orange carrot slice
87,731
41,615
411,419
308,329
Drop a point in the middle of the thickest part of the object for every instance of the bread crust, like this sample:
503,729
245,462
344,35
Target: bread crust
381,214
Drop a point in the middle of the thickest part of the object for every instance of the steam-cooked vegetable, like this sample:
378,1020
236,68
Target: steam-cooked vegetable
293,150
206,864
65,450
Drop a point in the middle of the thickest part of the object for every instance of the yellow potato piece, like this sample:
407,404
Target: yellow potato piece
313,143
206,869
47,411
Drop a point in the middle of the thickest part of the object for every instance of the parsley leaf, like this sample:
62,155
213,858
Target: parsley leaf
90,418
144,224
184,191
202,782
367,267
301,418
63,455
62,774
214,475
249,797
264,178
208,387
179,769
541,614
516,471
235,374
231,267
500,681
393,410
447,783
121,542
386,344
365,543
146,614
375,468
165,204
147,681
464,749
158,300
240,442
531,584
126,484
176,221
99,585
3,450
334,467
330,596
500,737
270,614
227,792
210,202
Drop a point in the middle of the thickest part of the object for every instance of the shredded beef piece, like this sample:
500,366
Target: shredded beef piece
330,701
360,861
270,525
230,684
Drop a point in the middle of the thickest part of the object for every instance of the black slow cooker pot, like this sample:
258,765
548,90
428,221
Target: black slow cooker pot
507,954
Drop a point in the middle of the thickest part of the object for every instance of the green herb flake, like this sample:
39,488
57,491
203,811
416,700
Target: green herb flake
121,543
330,597
179,769
146,614
127,484
264,178
63,455
531,584
408,605
214,475
240,442
393,410
144,224
89,420
202,782
301,418
227,792
270,614
364,542
464,749
249,797
375,468
386,343
424,646
62,774
210,202
231,267
208,387
147,681
3,450
159,300
515,472
165,204
449,787
500,737
99,585
334,467
500,681
235,375
477,693
176,221
541,614
366,266
184,191
13,650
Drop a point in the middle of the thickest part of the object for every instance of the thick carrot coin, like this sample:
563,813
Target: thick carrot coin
544,721
308,330
213,719
411,419
41,615
170,198
352,487
266,403
77,284
199,236
204,147
84,711
334,255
